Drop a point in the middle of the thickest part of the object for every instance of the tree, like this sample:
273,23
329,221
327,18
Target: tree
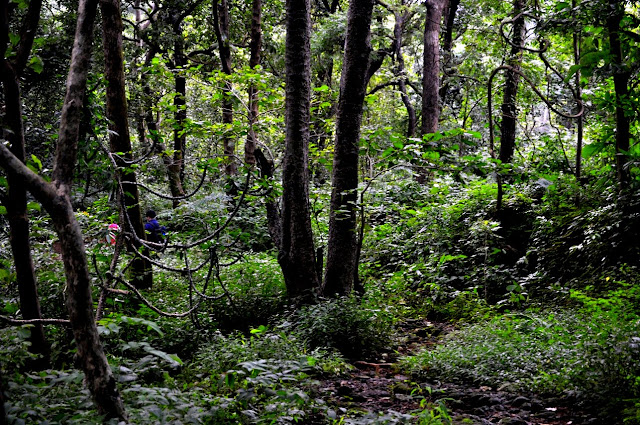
296,253
254,61
56,199
342,269
221,28
119,139
16,199
431,66
512,79
621,76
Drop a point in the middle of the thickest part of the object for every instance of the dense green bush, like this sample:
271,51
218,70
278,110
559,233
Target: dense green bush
345,325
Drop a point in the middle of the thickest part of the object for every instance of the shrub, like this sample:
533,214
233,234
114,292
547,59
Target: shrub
343,324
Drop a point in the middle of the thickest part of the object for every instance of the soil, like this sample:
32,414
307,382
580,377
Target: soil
375,387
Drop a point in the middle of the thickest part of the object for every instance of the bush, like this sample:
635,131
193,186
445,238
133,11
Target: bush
344,325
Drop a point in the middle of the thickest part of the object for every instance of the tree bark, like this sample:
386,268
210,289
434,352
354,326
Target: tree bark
16,200
431,67
512,80
221,23
398,29
180,103
342,269
55,197
254,61
580,120
119,138
169,161
297,254
621,77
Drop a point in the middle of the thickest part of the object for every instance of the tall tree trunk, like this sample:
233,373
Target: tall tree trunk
398,28
342,269
580,121
119,138
297,255
447,46
221,23
512,80
254,61
621,77
55,197
173,168
180,115
431,67
16,201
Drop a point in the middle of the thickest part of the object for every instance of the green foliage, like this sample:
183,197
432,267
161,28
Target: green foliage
345,325
591,352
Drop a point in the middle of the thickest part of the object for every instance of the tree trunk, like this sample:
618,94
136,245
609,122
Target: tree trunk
254,61
431,67
173,169
621,77
580,120
180,116
342,273
512,80
400,20
221,23
297,254
55,197
119,138
16,201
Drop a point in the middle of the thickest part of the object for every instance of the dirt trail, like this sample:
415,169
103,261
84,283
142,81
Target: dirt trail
377,387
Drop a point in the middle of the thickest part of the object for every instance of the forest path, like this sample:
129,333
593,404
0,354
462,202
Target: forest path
378,387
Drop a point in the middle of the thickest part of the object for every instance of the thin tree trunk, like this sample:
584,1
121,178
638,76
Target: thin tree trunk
621,77
254,61
342,270
580,121
297,254
119,138
412,120
16,201
431,67
180,115
173,169
512,80
55,197
221,23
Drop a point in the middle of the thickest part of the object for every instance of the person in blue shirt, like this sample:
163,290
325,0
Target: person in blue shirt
155,231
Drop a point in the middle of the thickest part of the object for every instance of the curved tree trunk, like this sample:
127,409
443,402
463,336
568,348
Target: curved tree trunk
512,80
297,255
431,67
119,138
342,269
16,201
55,197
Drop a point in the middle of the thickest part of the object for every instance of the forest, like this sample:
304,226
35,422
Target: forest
319,212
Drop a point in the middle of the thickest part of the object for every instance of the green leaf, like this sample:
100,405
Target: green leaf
34,206
36,161
36,64
592,149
